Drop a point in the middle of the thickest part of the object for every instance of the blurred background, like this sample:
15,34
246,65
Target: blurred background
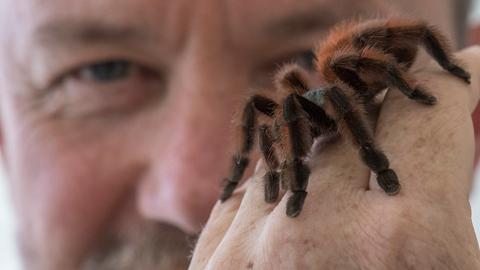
8,250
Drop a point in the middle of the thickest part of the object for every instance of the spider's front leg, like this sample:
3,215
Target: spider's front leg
300,140
255,104
434,42
370,154
379,69
272,177
306,120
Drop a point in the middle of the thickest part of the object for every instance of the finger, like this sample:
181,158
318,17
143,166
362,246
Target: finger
253,205
432,147
338,164
230,222
220,220
214,231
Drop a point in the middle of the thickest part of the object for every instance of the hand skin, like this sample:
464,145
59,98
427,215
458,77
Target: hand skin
347,221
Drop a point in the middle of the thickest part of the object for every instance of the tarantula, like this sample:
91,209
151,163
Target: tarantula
355,62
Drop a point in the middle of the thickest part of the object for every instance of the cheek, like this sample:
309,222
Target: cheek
188,157
68,186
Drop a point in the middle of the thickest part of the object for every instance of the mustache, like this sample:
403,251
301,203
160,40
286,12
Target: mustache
149,246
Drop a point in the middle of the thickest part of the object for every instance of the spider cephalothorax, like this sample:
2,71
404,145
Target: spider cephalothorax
355,62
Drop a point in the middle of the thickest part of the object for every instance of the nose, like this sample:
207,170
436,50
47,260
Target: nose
183,182
193,147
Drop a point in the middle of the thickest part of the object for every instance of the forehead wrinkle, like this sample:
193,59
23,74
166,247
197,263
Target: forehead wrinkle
319,16
88,32
125,20
300,22
277,20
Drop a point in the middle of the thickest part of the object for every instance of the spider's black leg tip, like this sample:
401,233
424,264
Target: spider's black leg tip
460,72
227,190
464,76
224,197
295,203
388,181
467,79
431,100
428,100
422,97
272,185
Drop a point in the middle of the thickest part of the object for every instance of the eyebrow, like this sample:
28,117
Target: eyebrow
299,23
80,32
318,18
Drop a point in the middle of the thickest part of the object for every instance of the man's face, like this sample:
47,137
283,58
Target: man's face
116,114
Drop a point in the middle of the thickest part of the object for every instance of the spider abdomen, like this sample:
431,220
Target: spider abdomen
396,38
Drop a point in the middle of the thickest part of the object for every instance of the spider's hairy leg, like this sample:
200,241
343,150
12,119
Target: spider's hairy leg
407,85
301,141
291,78
348,75
436,46
272,177
322,123
403,33
256,103
392,38
374,65
375,159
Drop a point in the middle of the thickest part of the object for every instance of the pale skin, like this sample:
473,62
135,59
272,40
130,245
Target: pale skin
132,165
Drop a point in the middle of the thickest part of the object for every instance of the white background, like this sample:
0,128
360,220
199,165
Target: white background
8,252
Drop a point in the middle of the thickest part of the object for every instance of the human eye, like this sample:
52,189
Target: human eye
106,72
105,87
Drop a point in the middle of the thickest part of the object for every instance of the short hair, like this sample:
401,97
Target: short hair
461,10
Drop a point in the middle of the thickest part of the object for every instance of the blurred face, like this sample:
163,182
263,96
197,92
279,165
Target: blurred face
115,116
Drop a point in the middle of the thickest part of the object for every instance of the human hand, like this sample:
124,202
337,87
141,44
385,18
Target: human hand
347,221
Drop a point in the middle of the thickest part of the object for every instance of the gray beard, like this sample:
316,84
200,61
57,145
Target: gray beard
153,246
